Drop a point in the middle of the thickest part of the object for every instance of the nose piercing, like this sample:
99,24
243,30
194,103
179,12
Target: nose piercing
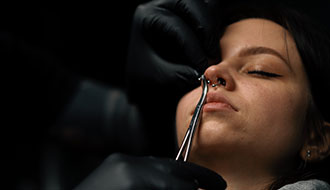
213,85
221,81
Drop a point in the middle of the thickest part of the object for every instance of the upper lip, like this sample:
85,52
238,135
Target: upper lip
217,97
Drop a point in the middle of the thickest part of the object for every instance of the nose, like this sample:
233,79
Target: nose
219,76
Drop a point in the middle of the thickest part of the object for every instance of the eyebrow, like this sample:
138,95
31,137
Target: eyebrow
262,50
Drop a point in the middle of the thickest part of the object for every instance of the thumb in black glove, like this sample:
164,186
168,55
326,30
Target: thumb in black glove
127,172
171,42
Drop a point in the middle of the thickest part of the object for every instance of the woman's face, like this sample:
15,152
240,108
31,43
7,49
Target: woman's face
259,114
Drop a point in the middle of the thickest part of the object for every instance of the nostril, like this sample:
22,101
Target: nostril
222,81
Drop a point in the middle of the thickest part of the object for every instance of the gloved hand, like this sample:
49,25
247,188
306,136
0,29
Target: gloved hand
171,43
127,172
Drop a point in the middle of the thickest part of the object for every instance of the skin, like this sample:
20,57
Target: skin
261,137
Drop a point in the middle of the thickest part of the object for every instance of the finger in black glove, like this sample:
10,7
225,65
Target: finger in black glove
171,42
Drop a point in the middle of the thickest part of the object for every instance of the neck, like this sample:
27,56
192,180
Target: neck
239,173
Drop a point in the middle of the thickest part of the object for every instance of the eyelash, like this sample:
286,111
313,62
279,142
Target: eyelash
264,74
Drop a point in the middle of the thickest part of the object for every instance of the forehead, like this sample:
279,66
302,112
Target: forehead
258,32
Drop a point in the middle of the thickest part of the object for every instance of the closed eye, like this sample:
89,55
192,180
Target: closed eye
264,74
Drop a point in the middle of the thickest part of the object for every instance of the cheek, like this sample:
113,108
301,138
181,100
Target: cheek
282,108
280,104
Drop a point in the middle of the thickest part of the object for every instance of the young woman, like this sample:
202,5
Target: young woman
260,124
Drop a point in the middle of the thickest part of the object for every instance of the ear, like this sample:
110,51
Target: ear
317,144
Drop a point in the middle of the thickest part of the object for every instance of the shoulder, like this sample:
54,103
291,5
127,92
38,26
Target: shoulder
313,184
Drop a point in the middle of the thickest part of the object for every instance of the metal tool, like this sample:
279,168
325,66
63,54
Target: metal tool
187,140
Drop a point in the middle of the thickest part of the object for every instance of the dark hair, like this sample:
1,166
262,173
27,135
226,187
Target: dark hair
313,44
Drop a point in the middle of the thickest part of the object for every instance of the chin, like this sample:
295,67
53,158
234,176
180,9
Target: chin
216,135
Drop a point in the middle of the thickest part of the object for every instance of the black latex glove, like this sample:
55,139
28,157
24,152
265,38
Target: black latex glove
171,42
126,172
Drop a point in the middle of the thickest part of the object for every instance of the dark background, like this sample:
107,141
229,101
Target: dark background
86,38
47,48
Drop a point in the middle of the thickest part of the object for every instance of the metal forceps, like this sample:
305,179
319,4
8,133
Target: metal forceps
187,140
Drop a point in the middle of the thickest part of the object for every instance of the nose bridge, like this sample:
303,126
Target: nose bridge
221,71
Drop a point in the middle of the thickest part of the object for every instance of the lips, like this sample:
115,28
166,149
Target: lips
217,102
